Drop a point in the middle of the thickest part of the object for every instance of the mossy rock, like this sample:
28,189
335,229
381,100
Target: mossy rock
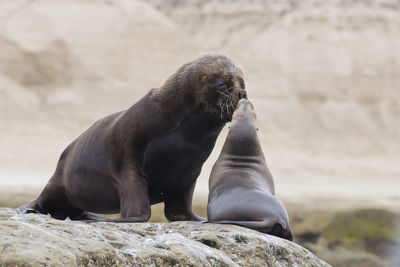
375,230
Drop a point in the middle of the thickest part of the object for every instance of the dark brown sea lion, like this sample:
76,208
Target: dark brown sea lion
153,152
241,187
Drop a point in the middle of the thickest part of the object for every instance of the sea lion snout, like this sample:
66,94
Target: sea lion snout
244,109
245,103
242,94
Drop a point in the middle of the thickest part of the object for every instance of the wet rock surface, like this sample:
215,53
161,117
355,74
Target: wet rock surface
32,240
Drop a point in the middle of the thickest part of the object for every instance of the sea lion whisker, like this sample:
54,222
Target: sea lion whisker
225,94
221,110
231,103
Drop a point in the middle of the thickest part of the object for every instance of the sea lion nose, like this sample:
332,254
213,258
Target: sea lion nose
242,94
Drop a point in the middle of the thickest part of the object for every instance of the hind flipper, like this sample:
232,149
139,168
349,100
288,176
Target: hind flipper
88,216
25,209
118,220
274,227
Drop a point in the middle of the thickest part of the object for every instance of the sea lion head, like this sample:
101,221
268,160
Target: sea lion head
244,112
242,137
220,85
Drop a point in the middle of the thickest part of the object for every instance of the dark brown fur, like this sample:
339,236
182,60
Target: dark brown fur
153,152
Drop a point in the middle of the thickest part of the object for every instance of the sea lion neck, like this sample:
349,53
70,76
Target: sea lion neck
177,93
242,139
200,123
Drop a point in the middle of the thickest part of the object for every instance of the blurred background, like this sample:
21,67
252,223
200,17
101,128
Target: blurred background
324,77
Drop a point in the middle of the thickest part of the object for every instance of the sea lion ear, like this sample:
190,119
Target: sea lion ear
204,78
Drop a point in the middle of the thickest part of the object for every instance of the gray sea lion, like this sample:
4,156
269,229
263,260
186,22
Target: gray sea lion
153,152
241,187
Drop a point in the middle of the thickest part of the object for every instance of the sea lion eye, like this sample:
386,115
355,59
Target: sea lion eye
228,81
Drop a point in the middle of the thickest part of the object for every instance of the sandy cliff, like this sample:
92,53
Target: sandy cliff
323,75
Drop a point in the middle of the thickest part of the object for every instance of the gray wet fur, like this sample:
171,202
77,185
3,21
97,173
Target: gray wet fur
241,186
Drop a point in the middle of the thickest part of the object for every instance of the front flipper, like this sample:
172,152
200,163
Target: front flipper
134,201
179,207
134,197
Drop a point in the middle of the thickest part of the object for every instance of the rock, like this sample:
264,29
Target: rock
374,230
349,256
35,239
372,227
